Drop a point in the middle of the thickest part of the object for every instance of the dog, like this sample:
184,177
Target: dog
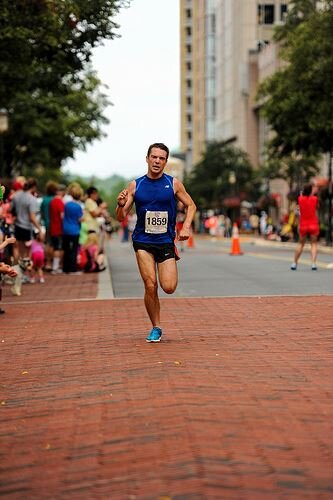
24,264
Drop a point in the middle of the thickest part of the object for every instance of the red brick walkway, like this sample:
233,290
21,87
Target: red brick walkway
59,287
236,402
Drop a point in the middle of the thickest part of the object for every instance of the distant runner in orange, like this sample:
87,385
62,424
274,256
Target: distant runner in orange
308,225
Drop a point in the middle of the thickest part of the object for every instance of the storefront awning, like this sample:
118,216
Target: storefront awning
321,181
232,202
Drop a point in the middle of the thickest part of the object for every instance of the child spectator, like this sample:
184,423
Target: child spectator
38,259
95,256
51,191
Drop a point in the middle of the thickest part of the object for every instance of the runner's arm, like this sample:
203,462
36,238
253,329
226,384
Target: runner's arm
183,196
125,201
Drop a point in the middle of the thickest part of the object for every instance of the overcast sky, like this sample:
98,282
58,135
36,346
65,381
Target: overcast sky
141,70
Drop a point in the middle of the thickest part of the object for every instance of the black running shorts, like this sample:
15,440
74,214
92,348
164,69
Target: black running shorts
160,252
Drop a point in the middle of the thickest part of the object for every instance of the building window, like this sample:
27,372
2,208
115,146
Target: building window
188,48
189,118
189,101
213,108
211,24
266,13
188,13
189,84
189,66
283,12
188,31
189,136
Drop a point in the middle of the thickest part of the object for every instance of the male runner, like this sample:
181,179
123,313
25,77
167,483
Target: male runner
155,196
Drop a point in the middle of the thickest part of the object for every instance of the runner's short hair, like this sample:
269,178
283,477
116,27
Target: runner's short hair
159,145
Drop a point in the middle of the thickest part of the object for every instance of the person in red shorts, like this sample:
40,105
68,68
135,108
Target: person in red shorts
308,225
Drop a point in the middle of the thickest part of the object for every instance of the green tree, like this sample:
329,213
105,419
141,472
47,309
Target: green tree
297,99
45,129
54,99
293,168
209,182
44,41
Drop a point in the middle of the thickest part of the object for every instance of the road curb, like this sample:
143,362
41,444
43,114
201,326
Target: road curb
105,288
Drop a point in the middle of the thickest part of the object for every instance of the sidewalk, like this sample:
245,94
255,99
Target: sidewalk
63,288
236,402
291,245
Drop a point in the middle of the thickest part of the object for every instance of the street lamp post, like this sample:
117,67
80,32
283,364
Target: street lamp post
232,181
232,178
3,129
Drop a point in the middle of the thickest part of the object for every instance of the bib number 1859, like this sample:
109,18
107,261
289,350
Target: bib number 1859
156,222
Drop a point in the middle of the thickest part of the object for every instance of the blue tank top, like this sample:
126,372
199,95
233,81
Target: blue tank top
155,204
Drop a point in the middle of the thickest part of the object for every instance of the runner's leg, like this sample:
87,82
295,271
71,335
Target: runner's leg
147,268
168,275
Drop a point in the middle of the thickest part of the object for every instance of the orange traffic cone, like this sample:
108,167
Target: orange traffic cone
235,245
190,241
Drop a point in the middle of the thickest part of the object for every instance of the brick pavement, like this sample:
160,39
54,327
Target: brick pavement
236,402
58,287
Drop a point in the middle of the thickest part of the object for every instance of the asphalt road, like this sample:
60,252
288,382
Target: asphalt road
208,270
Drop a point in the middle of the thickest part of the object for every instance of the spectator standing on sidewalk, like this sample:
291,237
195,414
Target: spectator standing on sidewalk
73,215
7,227
101,223
155,197
254,223
308,225
56,211
24,207
5,268
93,211
51,191
263,223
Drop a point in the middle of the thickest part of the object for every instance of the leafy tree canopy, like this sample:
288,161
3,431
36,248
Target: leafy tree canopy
54,99
45,43
297,99
209,181
46,129
295,169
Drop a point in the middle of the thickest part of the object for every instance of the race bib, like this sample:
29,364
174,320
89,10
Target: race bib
156,222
